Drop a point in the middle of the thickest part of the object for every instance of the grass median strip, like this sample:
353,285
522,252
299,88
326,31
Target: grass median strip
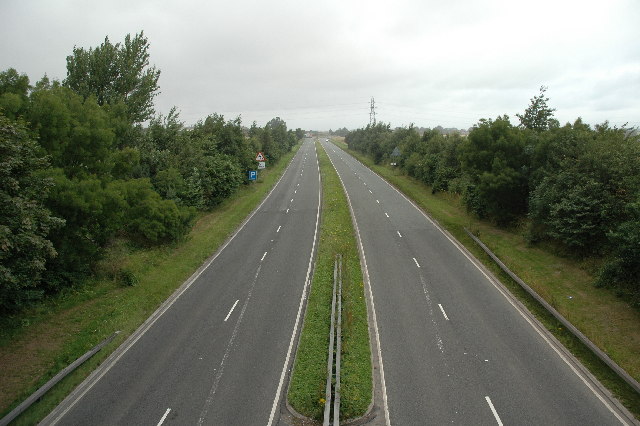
307,386
42,341
564,283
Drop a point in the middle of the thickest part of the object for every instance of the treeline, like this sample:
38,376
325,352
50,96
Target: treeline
575,187
79,169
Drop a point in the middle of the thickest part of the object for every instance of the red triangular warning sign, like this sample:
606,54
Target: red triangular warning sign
260,157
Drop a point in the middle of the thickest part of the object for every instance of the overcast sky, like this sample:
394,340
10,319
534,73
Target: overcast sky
317,64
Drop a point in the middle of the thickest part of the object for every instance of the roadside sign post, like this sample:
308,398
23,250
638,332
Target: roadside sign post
253,174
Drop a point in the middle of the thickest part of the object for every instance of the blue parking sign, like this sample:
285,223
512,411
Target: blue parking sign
253,175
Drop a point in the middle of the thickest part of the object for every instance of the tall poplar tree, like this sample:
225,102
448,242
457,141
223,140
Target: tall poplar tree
116,73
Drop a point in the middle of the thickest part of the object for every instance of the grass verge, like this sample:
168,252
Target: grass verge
40,342
308,381
566,284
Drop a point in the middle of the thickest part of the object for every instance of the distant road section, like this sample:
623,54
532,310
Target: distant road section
455,349
220,353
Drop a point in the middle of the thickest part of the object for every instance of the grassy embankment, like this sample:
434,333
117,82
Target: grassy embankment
38,343
307,388
566,284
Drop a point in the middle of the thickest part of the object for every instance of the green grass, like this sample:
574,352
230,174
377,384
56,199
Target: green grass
37,344
308,381
566,284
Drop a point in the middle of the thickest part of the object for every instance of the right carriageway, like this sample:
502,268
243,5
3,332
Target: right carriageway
455,347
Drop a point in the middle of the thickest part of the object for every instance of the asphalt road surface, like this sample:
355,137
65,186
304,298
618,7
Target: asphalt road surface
454,348
219,351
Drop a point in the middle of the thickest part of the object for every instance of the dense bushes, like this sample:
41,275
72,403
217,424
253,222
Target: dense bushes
574,185
78,169
26,223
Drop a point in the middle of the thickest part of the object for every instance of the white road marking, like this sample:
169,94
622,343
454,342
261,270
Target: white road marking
399,234
81,390
493,410
287,210
430,306
386,214
263,256
378,201
443,312
231,310
383,385
220,370
291,200
417,264
365,183
510,298
295,192
166,413
370,192
276,400
278,230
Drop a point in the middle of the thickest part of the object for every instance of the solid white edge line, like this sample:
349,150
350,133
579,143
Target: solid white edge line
231,310
166,413
443,312
493,410
276,400
510,298
383,385
115,356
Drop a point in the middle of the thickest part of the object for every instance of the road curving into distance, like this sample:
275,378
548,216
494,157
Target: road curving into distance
454,347
218,352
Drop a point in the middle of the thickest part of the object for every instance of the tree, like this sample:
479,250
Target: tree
76,133
216,179
495,160
93,214
622,269
14,90
538,116
115,74
584,180
227,138
371,140
25,223
148,218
